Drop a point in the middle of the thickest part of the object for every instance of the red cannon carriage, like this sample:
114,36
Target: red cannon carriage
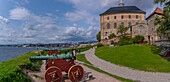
58,64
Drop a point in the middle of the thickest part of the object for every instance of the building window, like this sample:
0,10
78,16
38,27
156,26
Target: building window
115,25
129,24
122,17
141,26
108,26
137,16
129,16
122,24
136,22
108,18
106,33
114,17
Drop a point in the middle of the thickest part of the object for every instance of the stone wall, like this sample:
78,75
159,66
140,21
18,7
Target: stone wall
140,29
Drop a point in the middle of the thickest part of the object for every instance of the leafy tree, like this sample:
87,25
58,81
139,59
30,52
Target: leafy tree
112,36
98,36
138,39
122,30
164,20
99,45
124,40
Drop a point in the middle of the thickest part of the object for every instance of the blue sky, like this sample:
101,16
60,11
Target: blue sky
56,21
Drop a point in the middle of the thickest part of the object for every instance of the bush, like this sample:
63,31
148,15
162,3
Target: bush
168,38
115,43
112,36
138,39
155,49
99,45
124,41
11,70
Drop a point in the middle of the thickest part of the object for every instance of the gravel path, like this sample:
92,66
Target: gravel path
126,72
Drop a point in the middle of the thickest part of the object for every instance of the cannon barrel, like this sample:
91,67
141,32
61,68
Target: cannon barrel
69,56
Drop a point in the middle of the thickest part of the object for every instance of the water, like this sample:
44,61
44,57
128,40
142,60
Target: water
7,53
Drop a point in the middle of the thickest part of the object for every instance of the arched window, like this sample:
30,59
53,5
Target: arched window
141,26
129,24
108,26
122,24
115,25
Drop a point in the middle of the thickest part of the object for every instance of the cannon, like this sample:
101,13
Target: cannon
51,52
60,63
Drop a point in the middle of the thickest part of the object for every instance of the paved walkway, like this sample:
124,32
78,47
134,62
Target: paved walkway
126,72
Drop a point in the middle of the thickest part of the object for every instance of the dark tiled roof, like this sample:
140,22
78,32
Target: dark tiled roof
124,9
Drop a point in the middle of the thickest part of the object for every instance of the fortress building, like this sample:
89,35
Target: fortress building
128,16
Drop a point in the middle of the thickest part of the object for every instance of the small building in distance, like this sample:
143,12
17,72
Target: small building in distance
128,16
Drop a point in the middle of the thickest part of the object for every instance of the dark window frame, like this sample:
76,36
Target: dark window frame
129,16
108,18
122,17
129,24
114,17
137,16
122,24
108,25
115,25
137,23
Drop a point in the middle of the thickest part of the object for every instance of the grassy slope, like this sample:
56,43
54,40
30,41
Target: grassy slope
83,59
8,68
81,49
134,56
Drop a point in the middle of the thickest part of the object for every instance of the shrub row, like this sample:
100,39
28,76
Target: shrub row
126,40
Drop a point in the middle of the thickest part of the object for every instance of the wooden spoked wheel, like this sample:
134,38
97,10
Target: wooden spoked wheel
75,73
46,66
53,74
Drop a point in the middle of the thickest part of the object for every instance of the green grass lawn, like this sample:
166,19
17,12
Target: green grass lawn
82,58
10,70
134,56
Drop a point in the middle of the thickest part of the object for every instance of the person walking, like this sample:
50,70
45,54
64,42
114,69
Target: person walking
74,55
68,52
79,50
65,52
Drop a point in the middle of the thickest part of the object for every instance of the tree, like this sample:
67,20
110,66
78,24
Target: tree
112,36
98,36
164,20
138,38
122,30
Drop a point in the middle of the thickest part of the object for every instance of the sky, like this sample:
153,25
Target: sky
56,21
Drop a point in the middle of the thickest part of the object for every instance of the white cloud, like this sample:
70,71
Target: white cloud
88,11
82,16
43,29
19,13
57,10
5,20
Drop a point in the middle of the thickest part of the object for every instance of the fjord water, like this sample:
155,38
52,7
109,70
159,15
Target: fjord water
7,53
